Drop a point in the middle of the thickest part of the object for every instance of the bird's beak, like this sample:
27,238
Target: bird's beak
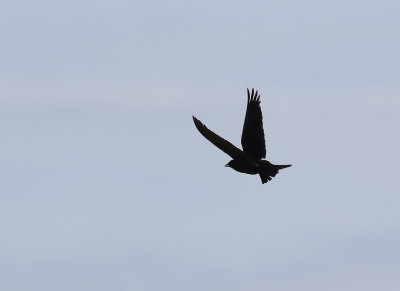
227,165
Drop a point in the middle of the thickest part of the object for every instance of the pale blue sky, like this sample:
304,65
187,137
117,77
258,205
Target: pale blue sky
107,185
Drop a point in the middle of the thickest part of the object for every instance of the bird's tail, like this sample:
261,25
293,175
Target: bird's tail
269,170
279,167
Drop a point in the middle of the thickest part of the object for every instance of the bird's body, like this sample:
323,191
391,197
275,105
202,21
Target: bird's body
247,166
250,160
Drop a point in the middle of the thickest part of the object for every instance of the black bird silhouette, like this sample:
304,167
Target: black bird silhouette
250,160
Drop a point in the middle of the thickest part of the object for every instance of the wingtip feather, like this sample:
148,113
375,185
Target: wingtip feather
196,122
253,96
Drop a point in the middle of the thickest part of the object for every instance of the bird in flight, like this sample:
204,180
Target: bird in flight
250,160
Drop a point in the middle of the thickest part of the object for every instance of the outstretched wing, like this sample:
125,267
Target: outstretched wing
253,140
218,141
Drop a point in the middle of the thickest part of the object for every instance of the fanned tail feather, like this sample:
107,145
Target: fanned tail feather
268,171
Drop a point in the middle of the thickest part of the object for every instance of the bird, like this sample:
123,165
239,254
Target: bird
250,160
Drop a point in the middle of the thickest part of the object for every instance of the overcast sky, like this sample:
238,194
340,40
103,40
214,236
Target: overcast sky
105,183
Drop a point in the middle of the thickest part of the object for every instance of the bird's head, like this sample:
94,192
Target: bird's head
230,164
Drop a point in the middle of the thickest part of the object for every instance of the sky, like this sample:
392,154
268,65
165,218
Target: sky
105,183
